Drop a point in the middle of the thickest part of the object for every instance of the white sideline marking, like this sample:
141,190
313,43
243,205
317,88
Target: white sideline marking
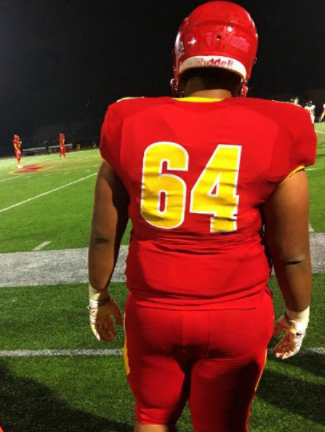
318,131
57,353
311,229
108,352
46,193
11,178
49,167
39,247
41,268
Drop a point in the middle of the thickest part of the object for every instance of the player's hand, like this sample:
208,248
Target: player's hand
103,318
294,333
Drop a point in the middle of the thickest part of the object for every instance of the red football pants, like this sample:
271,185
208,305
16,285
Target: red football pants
18,156
212,359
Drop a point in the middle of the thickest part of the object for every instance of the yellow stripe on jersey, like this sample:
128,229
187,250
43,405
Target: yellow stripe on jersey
300,168
259,379
126,358
198,99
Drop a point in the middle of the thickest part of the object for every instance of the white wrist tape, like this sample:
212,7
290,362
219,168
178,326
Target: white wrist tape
95,304
302,316
96,294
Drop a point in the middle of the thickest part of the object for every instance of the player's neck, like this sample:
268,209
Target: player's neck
213,94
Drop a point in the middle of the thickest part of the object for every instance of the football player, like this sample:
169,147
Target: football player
310,107
323,114
62,146
295,101
199,174
17,146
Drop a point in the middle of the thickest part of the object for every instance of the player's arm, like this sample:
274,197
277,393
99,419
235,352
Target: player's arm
110,216
286,215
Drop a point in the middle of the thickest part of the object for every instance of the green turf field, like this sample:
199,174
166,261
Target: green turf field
89,393
60,216
316,176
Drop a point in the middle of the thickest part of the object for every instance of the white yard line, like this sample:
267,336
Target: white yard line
111,352
318,131
41,246
46,193
49,167
12,178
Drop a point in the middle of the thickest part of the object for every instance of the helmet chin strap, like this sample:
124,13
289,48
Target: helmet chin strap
174,87
244,89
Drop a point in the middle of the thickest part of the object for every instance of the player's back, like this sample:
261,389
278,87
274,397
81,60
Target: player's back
197,172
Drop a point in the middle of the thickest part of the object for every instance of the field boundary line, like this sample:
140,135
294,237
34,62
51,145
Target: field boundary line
318,131
11,178
61,353
111,352
46,193
40,268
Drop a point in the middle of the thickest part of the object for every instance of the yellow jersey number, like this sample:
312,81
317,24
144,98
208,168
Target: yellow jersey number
163,196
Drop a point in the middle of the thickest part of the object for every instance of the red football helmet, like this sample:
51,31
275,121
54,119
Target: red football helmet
216,34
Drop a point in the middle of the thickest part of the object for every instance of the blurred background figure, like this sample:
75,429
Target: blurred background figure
310,107
17,145
323,114
295,101
62,146
46,145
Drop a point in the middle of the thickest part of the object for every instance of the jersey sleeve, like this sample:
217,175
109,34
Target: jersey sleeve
295,148
109,146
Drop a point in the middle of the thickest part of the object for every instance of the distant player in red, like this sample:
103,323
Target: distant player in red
17,146
199,175
62,145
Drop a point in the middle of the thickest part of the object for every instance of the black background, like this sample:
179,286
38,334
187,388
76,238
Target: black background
66,60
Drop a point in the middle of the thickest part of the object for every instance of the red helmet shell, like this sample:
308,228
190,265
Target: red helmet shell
216,34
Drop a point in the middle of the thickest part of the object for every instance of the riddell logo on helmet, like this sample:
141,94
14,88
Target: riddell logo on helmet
218,62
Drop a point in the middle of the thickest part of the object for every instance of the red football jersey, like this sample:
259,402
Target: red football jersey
197,172
16,144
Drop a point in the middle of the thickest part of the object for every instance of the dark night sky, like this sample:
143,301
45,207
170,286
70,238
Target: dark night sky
57,55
